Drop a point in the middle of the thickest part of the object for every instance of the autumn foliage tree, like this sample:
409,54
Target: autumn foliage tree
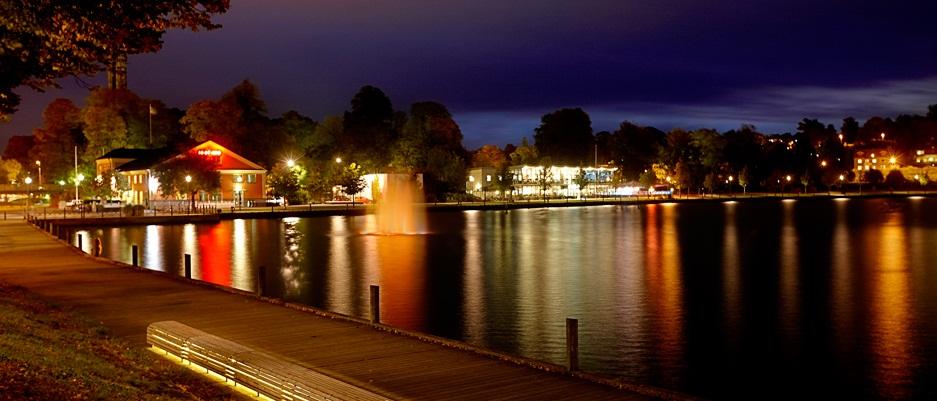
42,41
60,133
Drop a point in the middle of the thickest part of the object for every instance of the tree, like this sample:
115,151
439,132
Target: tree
648,178
744,179
304,133
873,177
18,148
210,120
849,129
489,156
506,181
634,148
61,131
116,118
186,176
105,186
42,41
545,179
351,181
10,170
283,182
524,154
565,136
431,142
369,128
895,179
582,181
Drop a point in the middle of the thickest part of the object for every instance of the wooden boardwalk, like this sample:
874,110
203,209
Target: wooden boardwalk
396,366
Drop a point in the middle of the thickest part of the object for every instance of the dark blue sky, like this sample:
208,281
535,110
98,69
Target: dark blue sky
499,65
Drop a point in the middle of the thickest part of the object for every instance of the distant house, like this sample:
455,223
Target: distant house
242,180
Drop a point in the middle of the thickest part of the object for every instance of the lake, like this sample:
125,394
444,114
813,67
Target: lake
807,298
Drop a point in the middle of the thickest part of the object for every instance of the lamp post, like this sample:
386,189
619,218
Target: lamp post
842,185
78,179
39,165
188,190
29,193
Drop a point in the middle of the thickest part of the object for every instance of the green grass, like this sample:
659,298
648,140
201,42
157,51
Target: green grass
50,353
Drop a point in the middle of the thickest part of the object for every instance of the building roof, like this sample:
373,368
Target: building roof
233,161
146,160
128,153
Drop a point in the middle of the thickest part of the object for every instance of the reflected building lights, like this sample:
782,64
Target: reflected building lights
242,276
189,246
474,283
788,277
152,248
891,313
340,286
731,275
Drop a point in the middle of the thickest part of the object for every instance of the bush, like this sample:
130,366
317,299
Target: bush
133,210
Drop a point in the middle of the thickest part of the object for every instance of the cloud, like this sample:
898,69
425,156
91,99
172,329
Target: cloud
773,109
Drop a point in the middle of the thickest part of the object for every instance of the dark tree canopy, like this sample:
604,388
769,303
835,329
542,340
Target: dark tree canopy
44,40
634,149
369,127
565,136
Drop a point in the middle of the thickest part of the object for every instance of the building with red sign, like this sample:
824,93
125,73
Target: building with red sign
242,181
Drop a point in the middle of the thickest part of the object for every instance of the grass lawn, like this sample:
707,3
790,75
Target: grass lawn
50,353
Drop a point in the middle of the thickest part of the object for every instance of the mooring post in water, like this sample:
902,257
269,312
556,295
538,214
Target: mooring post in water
375,304
79,242
97,247
188,266
572,343
261,280
133,256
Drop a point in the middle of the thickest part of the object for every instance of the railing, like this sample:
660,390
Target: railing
260,372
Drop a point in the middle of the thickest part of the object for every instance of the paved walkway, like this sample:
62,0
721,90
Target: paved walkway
400,367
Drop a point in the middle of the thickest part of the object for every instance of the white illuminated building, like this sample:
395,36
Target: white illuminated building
527,181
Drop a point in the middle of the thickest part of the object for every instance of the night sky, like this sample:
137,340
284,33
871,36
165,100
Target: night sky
499,65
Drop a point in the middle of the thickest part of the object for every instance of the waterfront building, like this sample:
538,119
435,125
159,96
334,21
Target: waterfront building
881,158
242,181
526,180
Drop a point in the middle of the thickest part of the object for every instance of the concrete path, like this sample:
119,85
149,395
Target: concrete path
397,366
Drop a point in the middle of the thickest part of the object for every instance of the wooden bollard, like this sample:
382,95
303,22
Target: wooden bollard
98,248
134,256
79,242
572,344
261,280
375,304
188,266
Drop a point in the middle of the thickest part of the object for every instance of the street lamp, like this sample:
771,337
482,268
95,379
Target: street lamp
290,163
39,165
338,160
842,185
188,179
78,179
29,193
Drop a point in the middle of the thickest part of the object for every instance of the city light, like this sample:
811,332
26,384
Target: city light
28,180
788,178
290,163
338,160
188,178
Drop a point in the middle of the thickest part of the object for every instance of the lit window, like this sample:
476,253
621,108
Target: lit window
471,178
859,161
251,178
238,178
874,161
488,178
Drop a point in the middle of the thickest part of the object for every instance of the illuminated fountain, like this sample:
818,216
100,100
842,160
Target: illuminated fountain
400,205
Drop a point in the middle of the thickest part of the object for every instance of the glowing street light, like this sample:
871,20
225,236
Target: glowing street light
338,160
788,178
188,179
39,166
78,179
893,160
823,163
290,163
883,136
28,180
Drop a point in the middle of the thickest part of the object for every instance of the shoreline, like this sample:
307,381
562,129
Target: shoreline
52,219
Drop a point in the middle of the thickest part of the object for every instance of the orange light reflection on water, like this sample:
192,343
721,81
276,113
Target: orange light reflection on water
891,331
664,285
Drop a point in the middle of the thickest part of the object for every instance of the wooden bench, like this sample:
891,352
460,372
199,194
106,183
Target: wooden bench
261,372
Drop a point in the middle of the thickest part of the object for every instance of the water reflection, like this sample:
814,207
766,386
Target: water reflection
833,295
890,331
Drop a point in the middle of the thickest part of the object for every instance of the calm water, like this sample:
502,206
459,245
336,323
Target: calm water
808,299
